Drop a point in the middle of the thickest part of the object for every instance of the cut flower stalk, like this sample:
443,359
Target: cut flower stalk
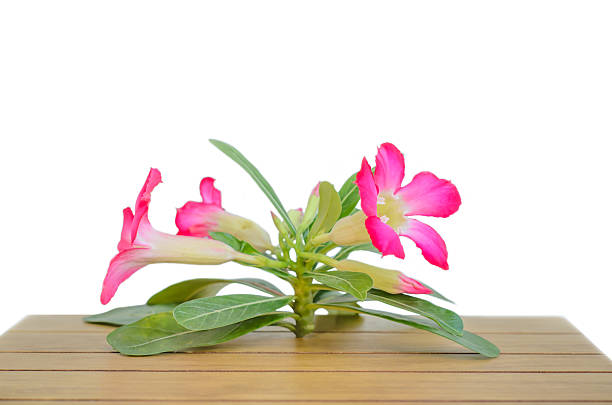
192,314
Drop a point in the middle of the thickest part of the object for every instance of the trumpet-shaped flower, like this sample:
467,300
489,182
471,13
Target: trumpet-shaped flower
141,244
388,206
391,281
200,218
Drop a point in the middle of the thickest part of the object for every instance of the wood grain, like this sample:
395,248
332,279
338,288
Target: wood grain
281,386
284,342
59,359
289,362
332,324
265,401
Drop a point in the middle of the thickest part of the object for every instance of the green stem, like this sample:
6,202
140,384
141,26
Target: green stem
318,240
319,258
304,324
327,248
262,261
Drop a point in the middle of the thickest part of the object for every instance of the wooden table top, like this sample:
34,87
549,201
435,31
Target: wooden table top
348,360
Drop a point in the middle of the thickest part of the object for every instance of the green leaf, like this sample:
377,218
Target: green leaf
436,294
161,333
354,283
263,184
206,287
339,312
215,312
226,238
245,247
125,315
323,297
329,209
278,273
349,196
234,242
447,319
333,297
468,339
345,251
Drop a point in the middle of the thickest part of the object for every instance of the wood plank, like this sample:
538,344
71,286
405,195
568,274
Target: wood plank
284,342
60,359
476,324
276,386
467,363
255,402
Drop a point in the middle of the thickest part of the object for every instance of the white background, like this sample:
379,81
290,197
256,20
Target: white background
510,100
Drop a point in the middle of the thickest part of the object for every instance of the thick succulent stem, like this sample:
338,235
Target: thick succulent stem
302,305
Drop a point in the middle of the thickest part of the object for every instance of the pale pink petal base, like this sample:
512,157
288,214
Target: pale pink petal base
384,237
428,240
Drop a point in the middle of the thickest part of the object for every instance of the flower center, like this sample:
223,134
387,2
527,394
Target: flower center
390,209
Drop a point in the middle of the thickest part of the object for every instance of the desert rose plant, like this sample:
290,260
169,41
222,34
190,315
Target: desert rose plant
311,254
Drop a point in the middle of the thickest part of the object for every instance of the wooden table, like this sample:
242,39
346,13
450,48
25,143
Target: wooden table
349,360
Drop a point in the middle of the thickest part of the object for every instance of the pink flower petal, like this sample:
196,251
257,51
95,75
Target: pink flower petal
144,198
196,218
428,240
384,237
126,231
210,195
156,247
122,266
389,171
430,196
412,286
367,189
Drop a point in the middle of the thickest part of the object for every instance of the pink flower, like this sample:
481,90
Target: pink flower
141,245
387,206
391,281
199,218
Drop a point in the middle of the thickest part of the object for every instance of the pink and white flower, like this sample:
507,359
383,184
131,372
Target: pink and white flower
141,244
388,206
200,218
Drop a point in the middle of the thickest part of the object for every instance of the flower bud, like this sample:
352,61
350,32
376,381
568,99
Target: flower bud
350,230
243,229
282,227
311,207
296,216
391,281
